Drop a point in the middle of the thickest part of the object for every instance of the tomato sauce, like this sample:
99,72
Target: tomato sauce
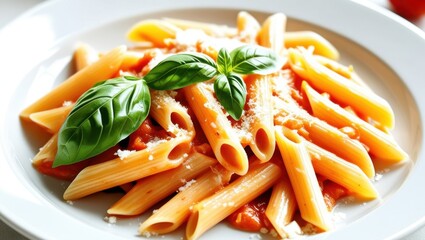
332,192
69,172
147,131
252,216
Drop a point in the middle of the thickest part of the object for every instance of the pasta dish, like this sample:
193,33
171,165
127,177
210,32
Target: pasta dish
254,125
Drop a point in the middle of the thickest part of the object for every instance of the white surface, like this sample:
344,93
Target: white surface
32,192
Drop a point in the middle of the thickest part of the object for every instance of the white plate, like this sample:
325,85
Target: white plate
35,51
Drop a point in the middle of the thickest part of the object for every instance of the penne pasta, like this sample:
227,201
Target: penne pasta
133,59
260,116
177,210
162,156
307,39
282,206
272,32
215,208
340,171
326,136
217,128
105,68
303,178
248,27
210,29
343,90
169,113
48,151
150,190
84,56
151,30
380,144
347,72
52,119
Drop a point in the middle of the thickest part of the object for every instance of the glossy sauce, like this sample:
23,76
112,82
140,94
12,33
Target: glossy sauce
252,217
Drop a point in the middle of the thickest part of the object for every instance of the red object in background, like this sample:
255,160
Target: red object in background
410,9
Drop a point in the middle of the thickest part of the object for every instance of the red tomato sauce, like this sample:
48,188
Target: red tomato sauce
144,134
252,216
69,172
332,192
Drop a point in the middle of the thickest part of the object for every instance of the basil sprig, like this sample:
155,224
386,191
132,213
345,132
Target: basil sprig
183,69
111,110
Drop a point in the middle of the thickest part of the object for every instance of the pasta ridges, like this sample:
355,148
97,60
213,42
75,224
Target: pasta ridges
166,155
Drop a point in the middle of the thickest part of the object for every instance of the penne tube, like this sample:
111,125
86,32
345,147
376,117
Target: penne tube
340,88
214,30
347,72
84,56
217,207
133,59
217,128
260,116
326,136
105,68
308,38
169,113
177,210
380,144
303,178
52,119
150,190
272,32
282,206
152,30
248,27
340,171
162,156
48,151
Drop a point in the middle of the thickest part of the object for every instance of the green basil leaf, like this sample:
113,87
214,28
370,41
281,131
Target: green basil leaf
249,59
231,93
104,115
224,62
181,70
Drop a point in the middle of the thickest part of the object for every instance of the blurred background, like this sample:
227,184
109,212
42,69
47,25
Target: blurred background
413,10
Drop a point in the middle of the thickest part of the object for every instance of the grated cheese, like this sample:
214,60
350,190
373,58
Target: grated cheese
110,219
154,142
67,103
149,234
188,184
122,154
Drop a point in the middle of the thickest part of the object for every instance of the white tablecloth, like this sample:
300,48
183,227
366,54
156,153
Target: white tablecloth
10,9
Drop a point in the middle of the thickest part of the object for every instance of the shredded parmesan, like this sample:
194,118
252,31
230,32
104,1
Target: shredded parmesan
122,154
147,234
154,142
110,219
188,184
67,103
377,177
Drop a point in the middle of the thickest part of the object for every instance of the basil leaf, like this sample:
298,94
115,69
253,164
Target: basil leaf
231,93
104,115
181,70
224,62
249,59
